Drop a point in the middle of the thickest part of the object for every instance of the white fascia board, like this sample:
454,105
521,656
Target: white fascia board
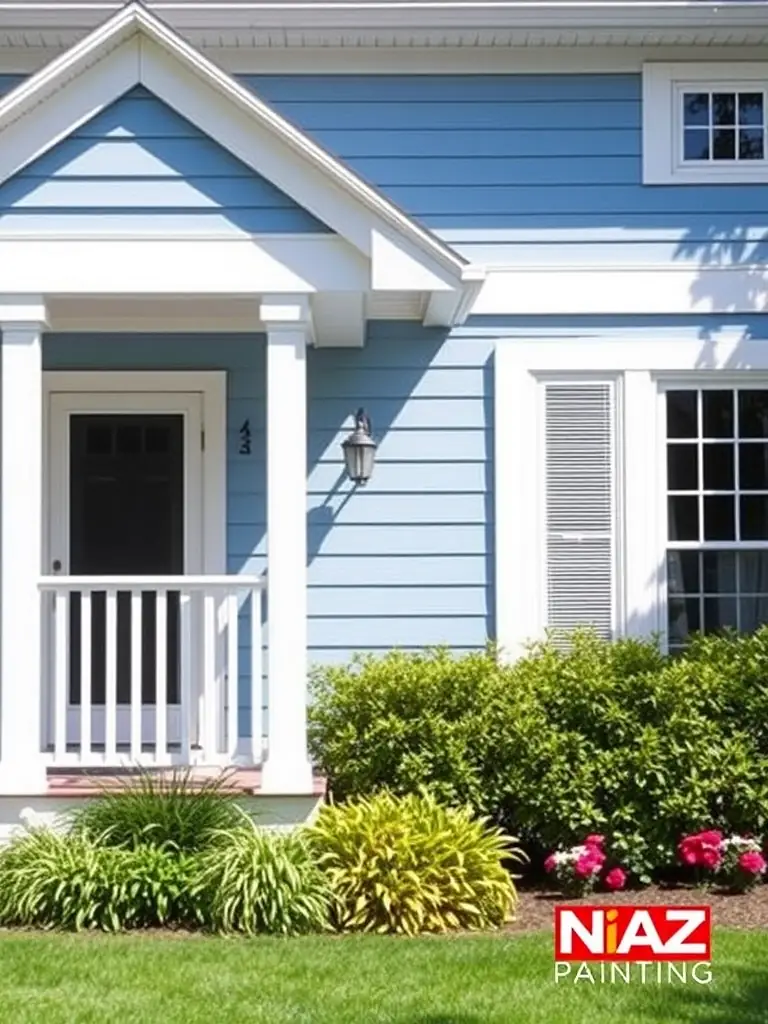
61,96
179,266
623,290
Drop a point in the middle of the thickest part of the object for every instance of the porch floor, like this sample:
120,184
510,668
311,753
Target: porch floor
83,782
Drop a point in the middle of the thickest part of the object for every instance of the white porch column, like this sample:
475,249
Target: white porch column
22,769
287,768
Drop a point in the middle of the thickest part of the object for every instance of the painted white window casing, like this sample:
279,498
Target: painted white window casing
705,123
580,483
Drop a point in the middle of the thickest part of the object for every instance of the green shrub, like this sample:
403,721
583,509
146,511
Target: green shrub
606,737
411,865
163,810
255,881
50,879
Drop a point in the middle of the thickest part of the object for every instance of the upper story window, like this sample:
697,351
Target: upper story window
705,123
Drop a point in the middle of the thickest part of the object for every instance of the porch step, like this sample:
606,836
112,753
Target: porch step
89,782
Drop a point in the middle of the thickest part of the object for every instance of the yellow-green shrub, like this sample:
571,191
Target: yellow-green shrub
409,865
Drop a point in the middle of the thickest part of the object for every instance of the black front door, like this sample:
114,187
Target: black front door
126,493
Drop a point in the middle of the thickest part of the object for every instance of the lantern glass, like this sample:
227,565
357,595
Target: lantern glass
359,455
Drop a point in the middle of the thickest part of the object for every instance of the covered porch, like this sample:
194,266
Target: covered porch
146,194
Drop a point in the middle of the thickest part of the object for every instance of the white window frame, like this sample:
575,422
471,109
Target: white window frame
644,367
663,87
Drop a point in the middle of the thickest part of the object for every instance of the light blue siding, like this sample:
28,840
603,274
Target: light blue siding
404,562
522,168
141,166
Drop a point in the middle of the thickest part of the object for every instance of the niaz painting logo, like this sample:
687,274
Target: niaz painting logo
627,943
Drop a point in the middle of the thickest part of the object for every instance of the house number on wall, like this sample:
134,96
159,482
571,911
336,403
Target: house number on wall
245,438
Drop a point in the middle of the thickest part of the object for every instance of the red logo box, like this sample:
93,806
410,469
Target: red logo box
627,934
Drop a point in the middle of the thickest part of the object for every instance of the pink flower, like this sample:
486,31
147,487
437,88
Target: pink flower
589,863
594,840
702,849
752,863
550,863
615,879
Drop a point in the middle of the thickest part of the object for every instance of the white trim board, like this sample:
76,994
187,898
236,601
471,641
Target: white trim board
667,289
134,47
210,385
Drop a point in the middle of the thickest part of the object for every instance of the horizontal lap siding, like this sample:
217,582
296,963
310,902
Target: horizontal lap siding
139,165
530,169
405,561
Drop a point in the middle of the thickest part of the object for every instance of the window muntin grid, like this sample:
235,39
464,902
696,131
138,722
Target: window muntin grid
717,510
723,125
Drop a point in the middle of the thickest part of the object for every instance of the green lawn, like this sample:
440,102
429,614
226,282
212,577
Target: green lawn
84,979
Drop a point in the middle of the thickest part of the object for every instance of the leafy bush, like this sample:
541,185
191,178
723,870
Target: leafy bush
163,810
252,880
607,737
411,865
50,879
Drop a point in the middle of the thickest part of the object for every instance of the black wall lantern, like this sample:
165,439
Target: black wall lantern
360,450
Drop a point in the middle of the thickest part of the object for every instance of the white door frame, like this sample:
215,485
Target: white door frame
200,397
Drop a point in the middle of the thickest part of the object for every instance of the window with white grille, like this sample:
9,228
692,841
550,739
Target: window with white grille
717,510
580,480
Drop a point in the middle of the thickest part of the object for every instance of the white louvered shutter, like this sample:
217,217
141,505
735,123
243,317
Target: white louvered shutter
580,507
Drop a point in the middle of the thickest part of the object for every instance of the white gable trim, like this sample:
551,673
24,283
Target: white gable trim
134,48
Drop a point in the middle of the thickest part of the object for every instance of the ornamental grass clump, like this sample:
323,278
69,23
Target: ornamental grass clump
255,881
53,879
166,810
409,865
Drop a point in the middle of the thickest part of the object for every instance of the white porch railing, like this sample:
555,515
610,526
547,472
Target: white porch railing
145,670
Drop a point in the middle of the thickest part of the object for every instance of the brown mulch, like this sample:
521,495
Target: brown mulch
536,908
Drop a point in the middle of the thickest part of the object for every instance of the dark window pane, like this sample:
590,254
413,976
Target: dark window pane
753,413
719,518
696,108
719,613
753,467
683,572
724,144
684,618
751,144
724,108
753,572
719,572
682,417
682,467
750,108
683,518
696,144
98,440
717,413
157,440
718,467
754,518
129,439
753,613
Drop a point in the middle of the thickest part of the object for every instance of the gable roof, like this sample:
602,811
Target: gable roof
136,47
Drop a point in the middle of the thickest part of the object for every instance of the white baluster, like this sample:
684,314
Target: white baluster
161,676
185,694
60,673
136,666
233,672
110,694
257,678
85,675
209,729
